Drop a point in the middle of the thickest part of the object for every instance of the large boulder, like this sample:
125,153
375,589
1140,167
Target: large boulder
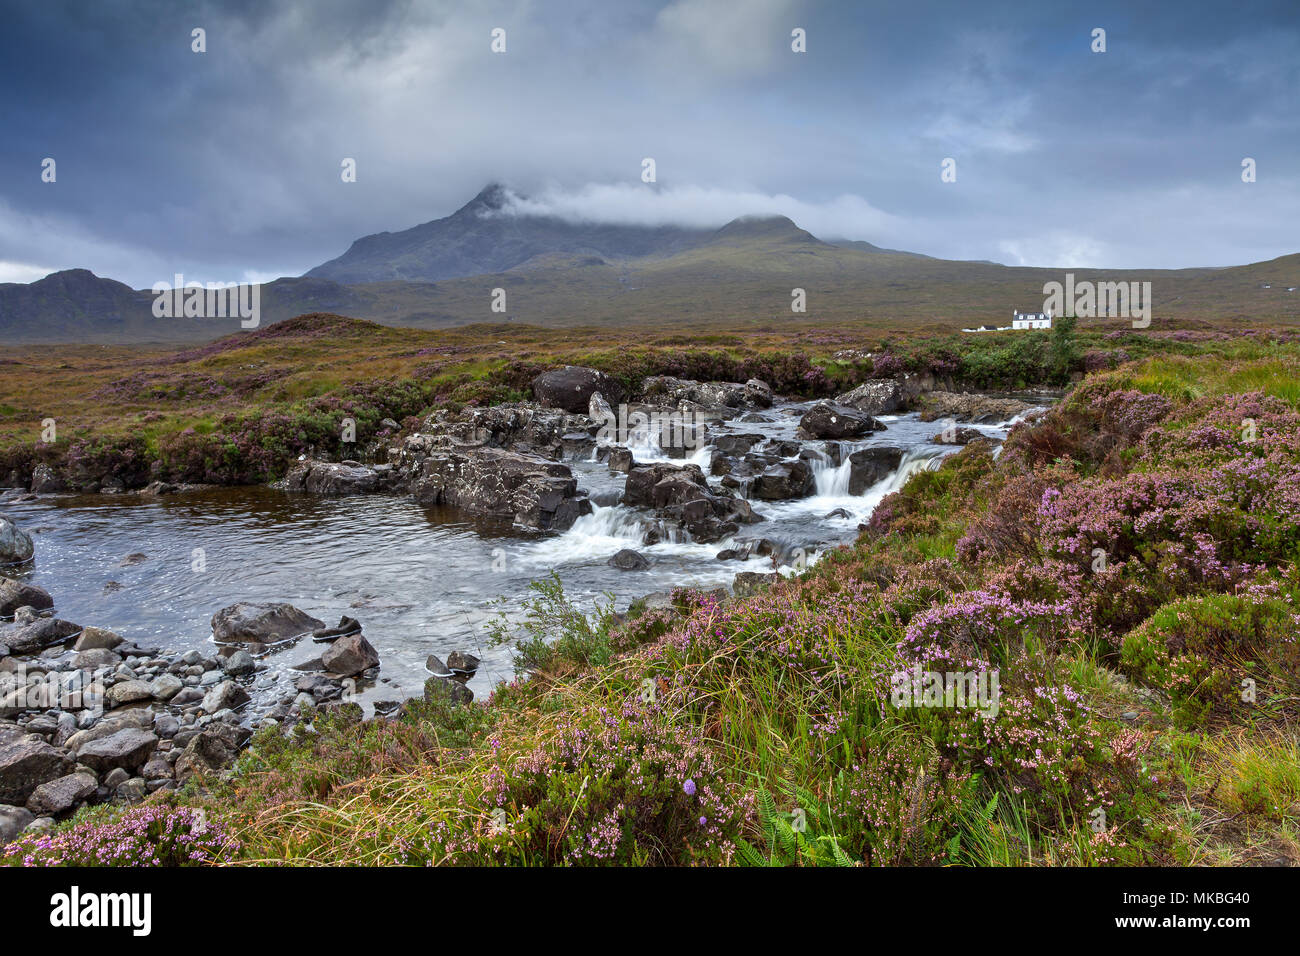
748,583
46,481
711,520
829,420
13,821
971,407
128,692
26,762
620,459
226,695
737,444
537,494
524,427
16,594
96,657
331,478
15,543
957,436
660,484
134,719
61,794
682,497
213,747
752,394
867,466
783,480
97,637
880,396
128,748
629,560
571,388
349,656
36,636
758,394
249,622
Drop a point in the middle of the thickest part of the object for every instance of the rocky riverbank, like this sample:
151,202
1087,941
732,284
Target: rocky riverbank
87,716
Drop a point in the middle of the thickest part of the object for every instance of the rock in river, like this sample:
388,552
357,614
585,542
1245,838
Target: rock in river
128,748
867,466
827,420
97,637
61,795
880,396
15,543
349,656
538,494
784,480
748,583
264,623
223,696
16,594
213,747
36,636
971,407
331,478
629,560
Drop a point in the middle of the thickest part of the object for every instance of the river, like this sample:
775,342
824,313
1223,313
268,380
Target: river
421,580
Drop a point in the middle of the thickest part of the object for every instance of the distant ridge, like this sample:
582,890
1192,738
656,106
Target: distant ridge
561,274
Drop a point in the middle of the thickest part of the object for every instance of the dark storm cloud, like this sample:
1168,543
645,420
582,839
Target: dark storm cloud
225,165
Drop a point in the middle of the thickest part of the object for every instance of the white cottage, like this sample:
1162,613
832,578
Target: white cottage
1031,320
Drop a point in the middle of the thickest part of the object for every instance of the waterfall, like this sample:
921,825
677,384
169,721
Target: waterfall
832,480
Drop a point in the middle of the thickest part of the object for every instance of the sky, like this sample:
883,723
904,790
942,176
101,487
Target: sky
226,165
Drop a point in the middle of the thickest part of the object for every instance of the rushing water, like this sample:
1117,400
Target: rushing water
421,580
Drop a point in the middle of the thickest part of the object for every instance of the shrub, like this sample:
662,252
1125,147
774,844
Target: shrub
1199,650
614,787
554,632
149,835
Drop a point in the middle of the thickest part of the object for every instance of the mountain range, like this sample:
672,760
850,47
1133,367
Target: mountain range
560,273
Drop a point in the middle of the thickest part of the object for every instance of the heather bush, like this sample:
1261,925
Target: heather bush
90,460
1199,650
1008,528
149,835
918,587
1098,360
983,628
1043,745
886,365
622,785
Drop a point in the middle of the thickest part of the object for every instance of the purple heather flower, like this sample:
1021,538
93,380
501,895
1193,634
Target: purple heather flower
689,787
